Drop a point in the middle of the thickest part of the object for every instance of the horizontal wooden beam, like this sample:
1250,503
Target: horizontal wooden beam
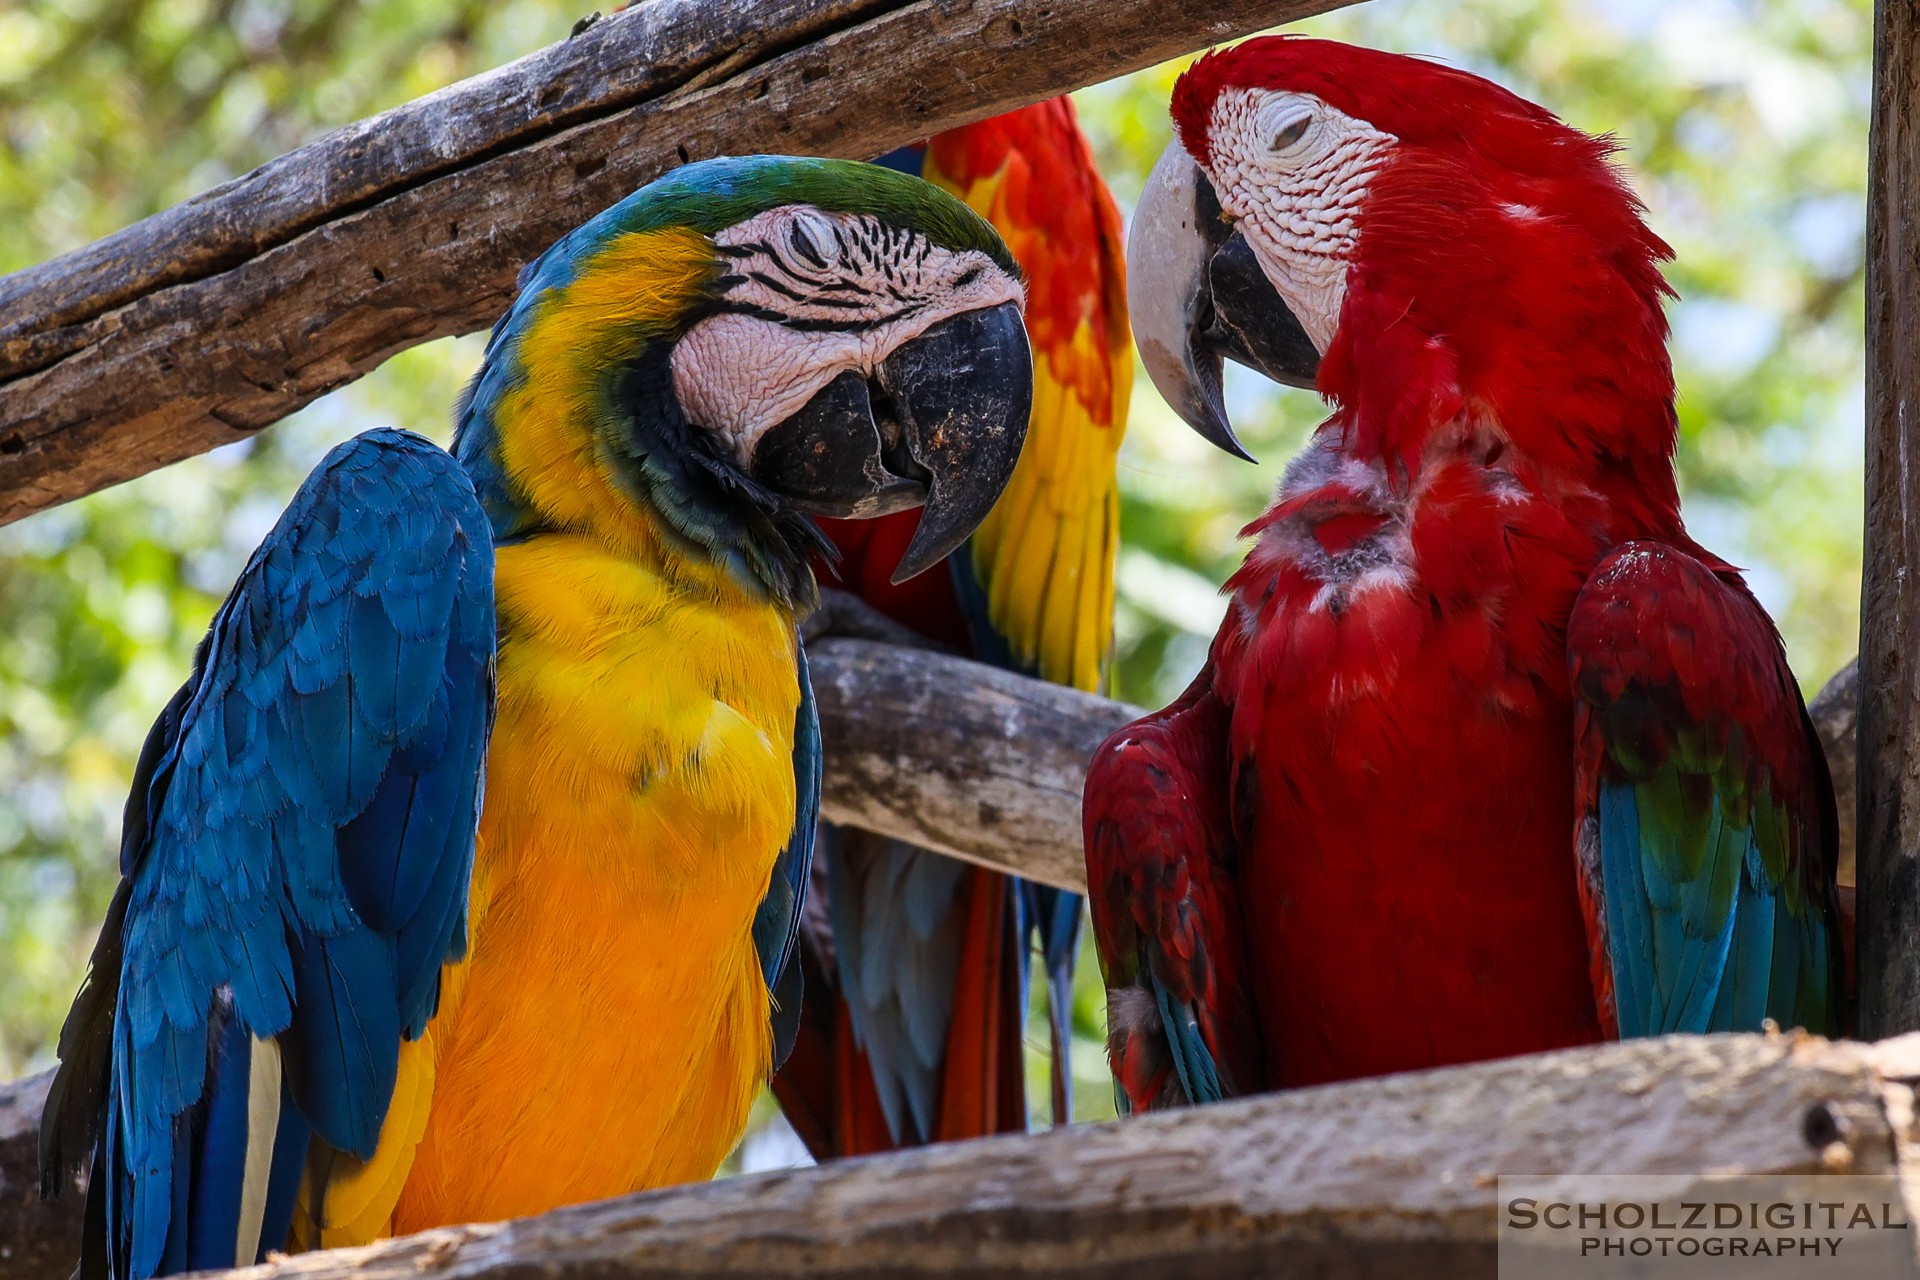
1387,1177
206,322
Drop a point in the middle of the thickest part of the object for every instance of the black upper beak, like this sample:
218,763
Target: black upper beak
1199,297
941,422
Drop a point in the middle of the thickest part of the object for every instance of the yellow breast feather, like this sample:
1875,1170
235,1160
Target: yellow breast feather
640,787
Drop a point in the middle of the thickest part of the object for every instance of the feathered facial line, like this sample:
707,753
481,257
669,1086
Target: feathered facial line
806,296
1519,152
1395,93
1447,248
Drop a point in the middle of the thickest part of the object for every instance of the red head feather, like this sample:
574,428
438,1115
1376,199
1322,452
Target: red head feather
1502,268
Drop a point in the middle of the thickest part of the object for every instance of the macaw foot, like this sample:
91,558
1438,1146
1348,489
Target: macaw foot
842,613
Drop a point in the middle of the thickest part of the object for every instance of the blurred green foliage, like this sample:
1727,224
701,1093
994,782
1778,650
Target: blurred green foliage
1743,124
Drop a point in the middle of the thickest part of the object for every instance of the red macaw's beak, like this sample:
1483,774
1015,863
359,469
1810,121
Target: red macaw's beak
941,422
1198,297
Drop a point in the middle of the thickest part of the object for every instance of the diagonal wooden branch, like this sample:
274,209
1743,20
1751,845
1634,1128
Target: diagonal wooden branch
211,320
1387,1177
957,756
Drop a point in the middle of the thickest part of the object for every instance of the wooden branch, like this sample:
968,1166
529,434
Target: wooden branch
1889,732
1379,1178
38,1240
205,323
958,756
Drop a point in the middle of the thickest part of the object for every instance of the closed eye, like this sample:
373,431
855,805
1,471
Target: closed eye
803,245
1290,133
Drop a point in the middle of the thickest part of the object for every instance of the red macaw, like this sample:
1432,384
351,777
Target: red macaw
1489,756
917,968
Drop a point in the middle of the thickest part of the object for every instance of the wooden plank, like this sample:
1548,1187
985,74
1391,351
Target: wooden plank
1889,726
1377,1178
957,756
206,323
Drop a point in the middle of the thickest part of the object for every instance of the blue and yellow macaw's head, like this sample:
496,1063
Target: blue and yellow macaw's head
743,343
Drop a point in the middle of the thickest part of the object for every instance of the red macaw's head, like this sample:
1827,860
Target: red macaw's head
1417,243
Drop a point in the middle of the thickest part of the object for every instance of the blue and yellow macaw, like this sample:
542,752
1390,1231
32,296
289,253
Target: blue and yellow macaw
338,996
919,1035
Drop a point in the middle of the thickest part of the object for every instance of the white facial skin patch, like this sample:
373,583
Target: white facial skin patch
1293,171
811,295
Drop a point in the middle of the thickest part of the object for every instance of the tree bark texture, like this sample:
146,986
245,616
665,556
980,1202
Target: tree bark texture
1835,711
208,321
1377,1178
958,756
39,1240
1889,726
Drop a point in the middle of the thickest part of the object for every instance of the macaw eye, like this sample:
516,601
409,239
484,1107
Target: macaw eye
812,239
1289,133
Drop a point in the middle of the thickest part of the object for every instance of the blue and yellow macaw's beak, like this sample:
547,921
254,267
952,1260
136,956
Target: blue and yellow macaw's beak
939,422
1199,297
860,361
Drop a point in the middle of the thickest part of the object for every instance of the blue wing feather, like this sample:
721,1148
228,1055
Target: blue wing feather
1711,889
910,160
776,924
290,1143
300,845
1057,916
1192,1061
213,1214
898,920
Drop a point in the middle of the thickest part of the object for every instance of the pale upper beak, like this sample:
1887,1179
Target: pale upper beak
1198,297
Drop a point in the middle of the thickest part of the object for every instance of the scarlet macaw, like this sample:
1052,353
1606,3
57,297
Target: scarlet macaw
1489,756
302,1025
917,1000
